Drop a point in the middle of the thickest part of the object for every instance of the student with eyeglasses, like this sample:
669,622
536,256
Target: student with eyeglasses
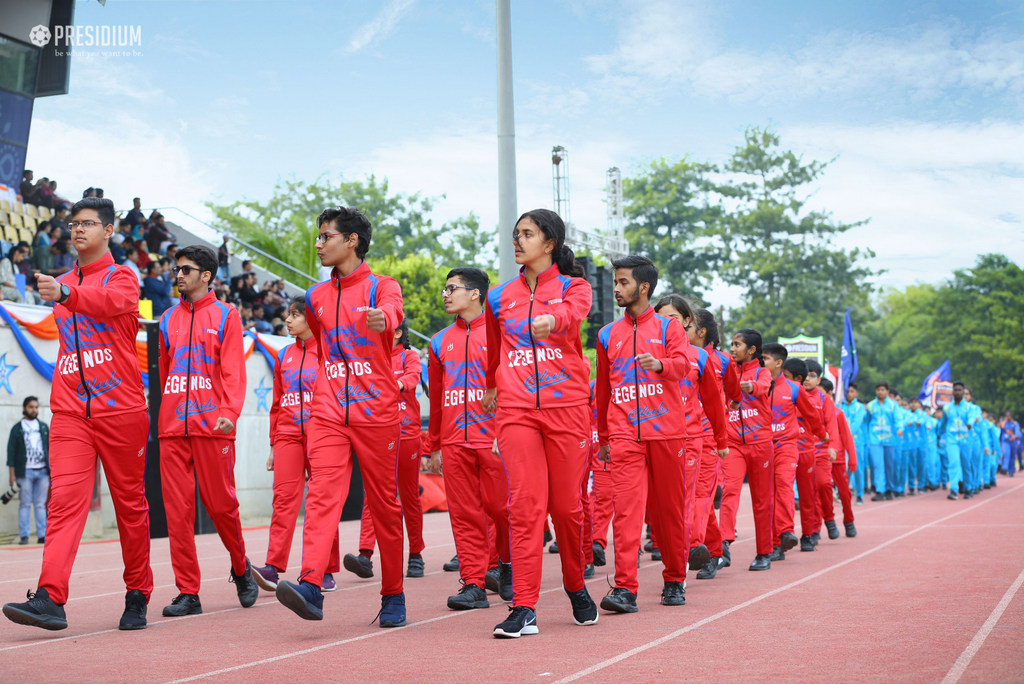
353,317
202,366
99,415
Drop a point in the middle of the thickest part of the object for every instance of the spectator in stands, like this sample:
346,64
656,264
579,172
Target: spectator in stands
26,266
132,262
8,286
259,316
58,201
41,247
135,216
245,313
117,248
27,188
59,214
247,293
172,253
99,192
140,247
222,294
63,259
89,192
156,289
224,261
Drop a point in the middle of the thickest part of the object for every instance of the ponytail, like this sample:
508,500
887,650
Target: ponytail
553,227
706,320
752,338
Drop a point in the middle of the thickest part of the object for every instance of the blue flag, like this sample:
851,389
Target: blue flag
848,356
939,374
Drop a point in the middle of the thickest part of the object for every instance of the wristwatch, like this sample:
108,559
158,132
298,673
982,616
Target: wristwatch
65,292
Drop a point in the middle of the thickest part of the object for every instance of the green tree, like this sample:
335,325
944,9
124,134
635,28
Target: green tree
672,220
421,283
782,255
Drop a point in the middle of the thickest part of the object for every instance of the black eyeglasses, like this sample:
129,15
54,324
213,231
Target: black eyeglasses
185,270
322,238
450,289
84,224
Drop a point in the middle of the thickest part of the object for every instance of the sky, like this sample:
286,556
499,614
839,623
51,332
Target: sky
919,105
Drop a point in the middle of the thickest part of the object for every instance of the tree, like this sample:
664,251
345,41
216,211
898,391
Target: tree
781,255
421,283
671,220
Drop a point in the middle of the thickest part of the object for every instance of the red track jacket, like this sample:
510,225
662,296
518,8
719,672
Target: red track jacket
702,397
405,364
751,423
97,372
456,380
790,405
294,379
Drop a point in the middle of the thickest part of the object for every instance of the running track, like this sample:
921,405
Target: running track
930,591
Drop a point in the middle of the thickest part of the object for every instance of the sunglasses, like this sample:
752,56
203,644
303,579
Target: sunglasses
185,270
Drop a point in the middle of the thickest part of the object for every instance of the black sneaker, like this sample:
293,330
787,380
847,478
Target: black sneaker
649,546
788,540
761,562
833,530
505,581
878,497
41,540
584,610
491,579
673,594
554,547
245,585
547,537
134,616
699,555
777,554
358,564
815,538
588,571
38,611
860,499
304,599
452,565
806,544
952,496
888,496
655,554
851,529
709,570
521,621
599,557
726,560
619,600
469,597
183,604
415,567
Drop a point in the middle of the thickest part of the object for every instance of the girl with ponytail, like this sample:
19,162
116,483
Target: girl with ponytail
538,384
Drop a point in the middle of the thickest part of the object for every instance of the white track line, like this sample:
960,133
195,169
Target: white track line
960,666
757,599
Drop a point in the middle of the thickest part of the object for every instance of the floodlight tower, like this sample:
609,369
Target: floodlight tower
560,181
615,239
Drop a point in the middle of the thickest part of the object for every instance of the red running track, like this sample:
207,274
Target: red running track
929,591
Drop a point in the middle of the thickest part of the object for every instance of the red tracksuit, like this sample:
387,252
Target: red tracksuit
474,478
790,404
202,364
601,507
405,364
641,415
702,396
355,411
543,419
294,377
822,464
99,409
839,470
750,453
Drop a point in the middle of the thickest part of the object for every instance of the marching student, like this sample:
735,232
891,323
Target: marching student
1009,442
826,452
600,493
855,414
750,447
973,475
460,437
791,411
883,441
707,438
355,412
538,380
408,370
99,416
954,427
294,379
641,358
795,370
202,364
846,461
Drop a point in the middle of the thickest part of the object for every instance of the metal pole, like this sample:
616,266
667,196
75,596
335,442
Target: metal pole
507,210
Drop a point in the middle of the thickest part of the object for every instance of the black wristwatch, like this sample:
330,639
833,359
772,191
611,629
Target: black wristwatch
65,292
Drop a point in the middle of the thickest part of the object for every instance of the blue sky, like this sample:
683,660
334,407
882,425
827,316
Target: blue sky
920,103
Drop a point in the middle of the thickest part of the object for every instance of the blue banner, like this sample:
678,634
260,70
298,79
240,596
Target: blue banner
942,373
848,355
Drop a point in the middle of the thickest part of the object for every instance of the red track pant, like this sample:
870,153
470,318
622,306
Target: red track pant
843,487
408,494
545,454
704,492
734,469
291,466
477,489
805,489
601,501
120,443
822,487
184,461
331,448
757,461
787,457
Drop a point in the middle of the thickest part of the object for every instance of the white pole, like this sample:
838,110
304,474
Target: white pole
507,209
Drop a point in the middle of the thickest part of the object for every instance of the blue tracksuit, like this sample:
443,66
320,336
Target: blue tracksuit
855,414
955,418
883,443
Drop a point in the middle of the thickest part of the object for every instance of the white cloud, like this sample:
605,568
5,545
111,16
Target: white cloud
664,44
381,26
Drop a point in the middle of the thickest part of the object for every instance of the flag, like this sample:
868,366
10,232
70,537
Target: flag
938,375
847,358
